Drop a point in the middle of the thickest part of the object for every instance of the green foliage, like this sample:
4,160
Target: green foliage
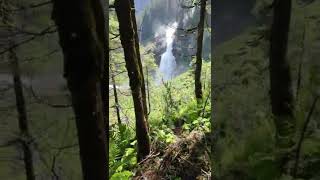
246,143
164,134
171,102
121,175
122,153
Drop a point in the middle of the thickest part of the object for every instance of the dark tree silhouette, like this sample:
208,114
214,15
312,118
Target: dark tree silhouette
280,80
197,82
127,36
81,28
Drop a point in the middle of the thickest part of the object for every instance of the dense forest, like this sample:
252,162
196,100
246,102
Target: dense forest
55,119
159,89
164,110
265,89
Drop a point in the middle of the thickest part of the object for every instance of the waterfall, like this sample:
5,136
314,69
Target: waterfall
168,62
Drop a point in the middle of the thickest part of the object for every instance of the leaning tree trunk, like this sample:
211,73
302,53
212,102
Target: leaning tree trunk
197,82
22,117
280,80
143,87
81,27
127,37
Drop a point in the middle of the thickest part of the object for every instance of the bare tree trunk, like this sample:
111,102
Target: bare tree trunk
197,82
280,80
115,94
81,27
103,36
143,87
22,117
127,37
105,76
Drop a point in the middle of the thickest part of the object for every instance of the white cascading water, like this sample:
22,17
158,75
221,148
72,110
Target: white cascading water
168,62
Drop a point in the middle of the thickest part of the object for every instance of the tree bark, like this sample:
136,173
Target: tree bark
104,75
280,80
105,80
143,87
197,82
81,27
127,37
22,117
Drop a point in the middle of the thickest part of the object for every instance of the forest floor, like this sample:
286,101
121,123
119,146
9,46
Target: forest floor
187,158
179,133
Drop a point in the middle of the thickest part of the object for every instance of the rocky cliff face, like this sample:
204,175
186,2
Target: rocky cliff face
141,4
229,19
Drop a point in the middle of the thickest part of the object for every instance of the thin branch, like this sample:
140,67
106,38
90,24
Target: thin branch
205,104
118,73
302,46
305,126
17,30
113,33
43,32
115,36
189,30
31,6
10,143
41,101
112,49
187,7
148,91
39,57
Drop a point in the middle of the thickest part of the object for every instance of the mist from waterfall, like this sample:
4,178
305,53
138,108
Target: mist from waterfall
168,63
189,14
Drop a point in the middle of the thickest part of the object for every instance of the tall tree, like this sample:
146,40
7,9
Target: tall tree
197,82
136,37
99,11
104,76
81,27
127,37
22,117
280,80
